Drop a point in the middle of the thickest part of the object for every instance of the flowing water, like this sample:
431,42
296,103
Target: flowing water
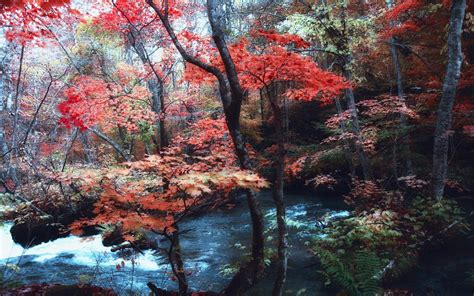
211,245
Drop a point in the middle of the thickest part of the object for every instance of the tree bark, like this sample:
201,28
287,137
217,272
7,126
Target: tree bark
248,274
3,113
262,109
453,73
351,107
401,96
88,151
112,143
278,191
178,264
231,95
68,149
12,172
155,86
347,145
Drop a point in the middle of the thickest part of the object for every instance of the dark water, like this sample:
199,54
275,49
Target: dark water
211,245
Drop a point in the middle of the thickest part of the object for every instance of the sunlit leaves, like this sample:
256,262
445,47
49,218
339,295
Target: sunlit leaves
120,103
154,192
27,21
258,69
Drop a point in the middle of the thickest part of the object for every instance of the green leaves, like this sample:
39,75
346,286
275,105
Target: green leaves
327,26
357,276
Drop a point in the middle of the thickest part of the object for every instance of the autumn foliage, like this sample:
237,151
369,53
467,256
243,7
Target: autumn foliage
129,115
93,101
197,170
272,62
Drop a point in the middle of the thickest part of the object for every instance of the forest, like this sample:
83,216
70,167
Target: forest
237,147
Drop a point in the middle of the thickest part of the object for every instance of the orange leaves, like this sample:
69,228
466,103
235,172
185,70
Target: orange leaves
193,184
366,190
113,19
94,101
76,228
157,203
196,184
25,20
402,8
294,168
247,180
155,211
210,145
281,39
128,237
152,192
127,210
412,181
412,16
135,221
207,131
323,180
385,105
111,193
400,29
12,3
153,223
276,63
45,4
279,64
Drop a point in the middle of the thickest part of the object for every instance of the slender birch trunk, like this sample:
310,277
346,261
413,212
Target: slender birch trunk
444,119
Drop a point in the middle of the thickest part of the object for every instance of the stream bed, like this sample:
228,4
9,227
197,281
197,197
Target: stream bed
211,245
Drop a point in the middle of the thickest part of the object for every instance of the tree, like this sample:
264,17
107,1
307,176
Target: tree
314,92
337,29
277,72
444,118
393,45
231,95
138,26
196,173
118,103
25,23
26,20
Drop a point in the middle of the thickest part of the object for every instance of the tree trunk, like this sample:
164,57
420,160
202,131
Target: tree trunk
347,145
278,191
231,95
156,89
88,151
351,106
248,274
177,259
401,96
262,108
68,149
155,86
16,114
453,73
3,113
112,143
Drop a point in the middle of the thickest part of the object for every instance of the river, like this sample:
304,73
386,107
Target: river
210,243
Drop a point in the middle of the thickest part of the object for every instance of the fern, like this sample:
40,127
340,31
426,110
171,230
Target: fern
357,276
367,266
